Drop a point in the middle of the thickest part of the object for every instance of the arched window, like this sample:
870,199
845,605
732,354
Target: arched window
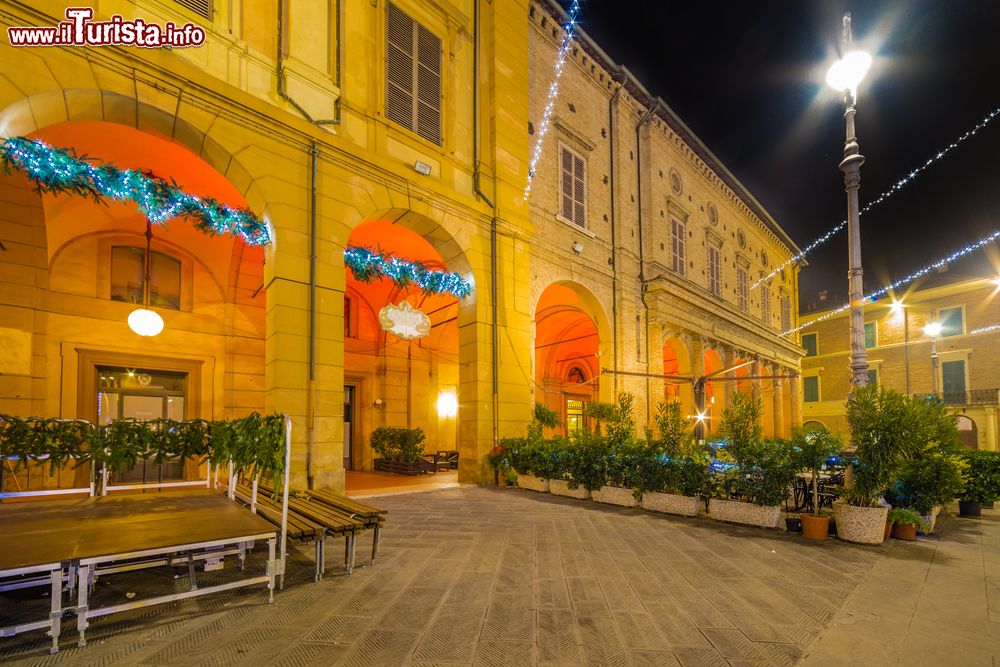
812,426
967,432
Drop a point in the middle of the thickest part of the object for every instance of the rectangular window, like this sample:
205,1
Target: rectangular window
952,321
873,377
413,75
574,415
871,337
573,187
128,273
742,288
953,382
786,312
811,344
714,270
677,242
765,305
810,389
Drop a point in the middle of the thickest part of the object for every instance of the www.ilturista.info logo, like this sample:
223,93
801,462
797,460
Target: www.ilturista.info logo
80,30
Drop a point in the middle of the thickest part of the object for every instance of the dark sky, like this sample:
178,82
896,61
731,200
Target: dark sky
748,78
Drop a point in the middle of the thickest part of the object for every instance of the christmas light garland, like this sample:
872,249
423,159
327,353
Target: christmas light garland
882,291
60,171
885,195
569,29
369,265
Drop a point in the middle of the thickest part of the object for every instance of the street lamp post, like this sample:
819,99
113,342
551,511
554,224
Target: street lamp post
844,76
933,330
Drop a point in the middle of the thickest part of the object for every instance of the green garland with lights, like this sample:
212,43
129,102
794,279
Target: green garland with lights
369,265
60,171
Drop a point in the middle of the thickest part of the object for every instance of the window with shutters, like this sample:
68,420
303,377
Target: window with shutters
199,7
810,389
413,75
714,270
765,304
572,187
810,343
786,312
742,288
678,232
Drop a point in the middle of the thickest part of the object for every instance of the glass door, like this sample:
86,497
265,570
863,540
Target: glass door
135,393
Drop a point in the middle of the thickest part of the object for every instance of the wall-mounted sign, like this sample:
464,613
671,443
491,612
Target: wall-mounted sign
404,321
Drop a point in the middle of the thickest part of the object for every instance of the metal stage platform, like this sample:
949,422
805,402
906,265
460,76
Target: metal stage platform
47,543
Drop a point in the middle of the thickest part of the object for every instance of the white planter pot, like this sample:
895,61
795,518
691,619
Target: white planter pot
533,483
560,487
735,511
931,519
615,495
863,525
671,504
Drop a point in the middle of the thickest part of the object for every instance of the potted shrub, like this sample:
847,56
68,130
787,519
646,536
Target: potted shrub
979,485
674,473
531,457
884,429
401,450
811,449
905,523
927,482
623,455
761,471
581,464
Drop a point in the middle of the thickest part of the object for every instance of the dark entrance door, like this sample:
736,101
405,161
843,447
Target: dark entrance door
349,391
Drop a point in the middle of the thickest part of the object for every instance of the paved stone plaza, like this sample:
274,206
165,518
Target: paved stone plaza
509,577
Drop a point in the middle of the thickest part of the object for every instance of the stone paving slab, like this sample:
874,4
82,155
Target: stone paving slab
485,576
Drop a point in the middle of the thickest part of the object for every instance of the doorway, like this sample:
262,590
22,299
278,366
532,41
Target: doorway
350,394
145,395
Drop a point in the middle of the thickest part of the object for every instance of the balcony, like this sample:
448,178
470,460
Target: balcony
968,398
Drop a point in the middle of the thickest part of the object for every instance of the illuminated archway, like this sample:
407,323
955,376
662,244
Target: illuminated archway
677,361
399,382
570,332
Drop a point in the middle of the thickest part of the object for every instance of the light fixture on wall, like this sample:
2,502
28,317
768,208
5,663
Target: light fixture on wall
447,404
422,168
144,321
577,247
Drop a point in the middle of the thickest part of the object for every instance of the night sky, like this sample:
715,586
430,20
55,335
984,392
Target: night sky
748,78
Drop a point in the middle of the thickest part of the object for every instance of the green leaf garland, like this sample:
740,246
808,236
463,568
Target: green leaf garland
368,265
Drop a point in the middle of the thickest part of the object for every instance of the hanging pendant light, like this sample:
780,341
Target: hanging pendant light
144,321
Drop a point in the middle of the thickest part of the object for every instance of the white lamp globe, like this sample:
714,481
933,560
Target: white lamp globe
933,329
447,404
145,322
848,72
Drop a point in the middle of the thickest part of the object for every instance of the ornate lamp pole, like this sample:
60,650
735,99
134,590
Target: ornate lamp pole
933,330
844,76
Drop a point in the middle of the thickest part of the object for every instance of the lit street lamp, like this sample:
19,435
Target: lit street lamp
844,76
933,330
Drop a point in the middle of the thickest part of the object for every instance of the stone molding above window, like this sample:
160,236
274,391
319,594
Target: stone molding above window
581,143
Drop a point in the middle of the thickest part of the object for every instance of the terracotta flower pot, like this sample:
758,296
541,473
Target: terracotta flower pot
814,527
888,530
904,531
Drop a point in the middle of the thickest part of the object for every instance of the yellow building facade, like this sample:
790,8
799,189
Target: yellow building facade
405,126
899,350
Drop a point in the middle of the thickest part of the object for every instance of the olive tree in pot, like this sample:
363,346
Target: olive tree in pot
811,449
926,483
623,455
884,428
674,473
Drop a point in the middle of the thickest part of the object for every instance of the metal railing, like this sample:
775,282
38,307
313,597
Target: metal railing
969,397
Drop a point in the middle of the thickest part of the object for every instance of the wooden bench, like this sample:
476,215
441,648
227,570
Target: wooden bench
305,524
371,516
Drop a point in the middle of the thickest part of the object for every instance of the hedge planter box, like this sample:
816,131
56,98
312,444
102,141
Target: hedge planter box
411,468
735,511
671,504
560,487
862,525
931,520
533,483
615,495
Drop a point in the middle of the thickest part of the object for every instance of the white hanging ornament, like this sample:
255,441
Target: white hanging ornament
404,321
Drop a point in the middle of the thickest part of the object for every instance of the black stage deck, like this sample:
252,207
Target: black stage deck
53,531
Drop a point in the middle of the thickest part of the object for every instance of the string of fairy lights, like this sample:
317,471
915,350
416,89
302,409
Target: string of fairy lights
61,171
896,187
569,30
919,273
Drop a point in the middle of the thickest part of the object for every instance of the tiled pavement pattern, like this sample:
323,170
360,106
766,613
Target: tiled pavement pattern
487,576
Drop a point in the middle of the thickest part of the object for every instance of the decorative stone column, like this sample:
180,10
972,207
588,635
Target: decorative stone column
776,398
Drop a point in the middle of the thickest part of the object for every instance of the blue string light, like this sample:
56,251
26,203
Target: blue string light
369,265
60,171
882,291
885,195
569,29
